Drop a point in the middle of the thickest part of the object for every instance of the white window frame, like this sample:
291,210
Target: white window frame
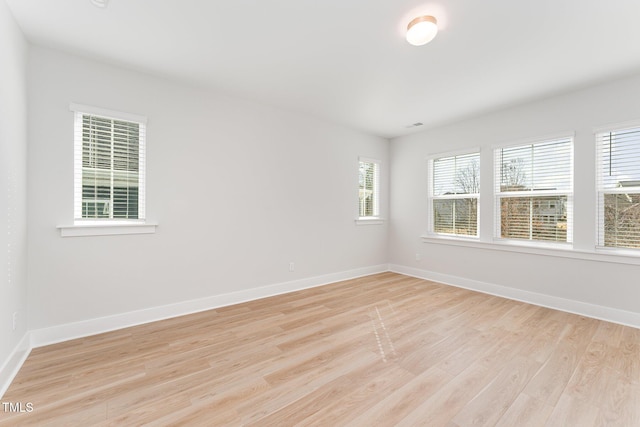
376,218
89,227
431,196
499,195
602,190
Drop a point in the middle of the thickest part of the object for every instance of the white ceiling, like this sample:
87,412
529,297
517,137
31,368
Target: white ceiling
347,60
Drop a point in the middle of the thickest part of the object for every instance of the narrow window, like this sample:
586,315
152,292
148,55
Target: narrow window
369,188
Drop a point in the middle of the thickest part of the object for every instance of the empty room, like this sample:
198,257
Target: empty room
320,213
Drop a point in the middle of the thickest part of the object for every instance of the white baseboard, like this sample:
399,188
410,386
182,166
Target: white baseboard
54,334
14,362
68,331
65,332
627,318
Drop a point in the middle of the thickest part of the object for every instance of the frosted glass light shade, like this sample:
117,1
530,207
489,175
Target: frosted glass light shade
422,30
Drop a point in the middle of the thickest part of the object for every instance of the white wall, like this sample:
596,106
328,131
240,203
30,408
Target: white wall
605,284
13,184
239,190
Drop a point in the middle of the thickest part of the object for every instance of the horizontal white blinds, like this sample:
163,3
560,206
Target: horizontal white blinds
534,191
455,187
541,218
109,168
540,166
618,182
456,174
110,144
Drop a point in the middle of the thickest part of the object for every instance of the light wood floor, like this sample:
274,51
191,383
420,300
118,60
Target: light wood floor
377,351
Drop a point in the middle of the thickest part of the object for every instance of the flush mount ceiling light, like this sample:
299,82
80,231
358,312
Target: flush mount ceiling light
422,30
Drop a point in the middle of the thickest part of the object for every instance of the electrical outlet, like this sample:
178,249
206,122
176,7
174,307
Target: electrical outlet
15,320
292,266
418,257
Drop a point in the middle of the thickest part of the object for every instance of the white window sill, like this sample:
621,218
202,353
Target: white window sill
369,221
564,250
106,229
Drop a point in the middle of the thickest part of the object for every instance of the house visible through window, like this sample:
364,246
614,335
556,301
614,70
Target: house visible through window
369,188
454,193
618,162
534,191
109,168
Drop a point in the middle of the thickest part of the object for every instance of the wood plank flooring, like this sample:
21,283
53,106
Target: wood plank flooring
381,350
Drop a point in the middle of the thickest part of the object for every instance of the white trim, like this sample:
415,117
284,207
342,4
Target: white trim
532,193
80,230
69,331
621,190
14,362
538,139
618,251
438,237
600,312
461,152
368,160
631,124
369,221
111,114
563,250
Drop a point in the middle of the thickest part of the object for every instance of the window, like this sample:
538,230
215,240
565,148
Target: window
534,191
109,165
618,188
369,188
454,193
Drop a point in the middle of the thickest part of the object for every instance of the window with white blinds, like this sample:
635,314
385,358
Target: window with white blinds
454,194
618,188
534,191
369,188
109,163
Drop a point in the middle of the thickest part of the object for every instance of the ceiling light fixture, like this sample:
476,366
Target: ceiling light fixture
422,30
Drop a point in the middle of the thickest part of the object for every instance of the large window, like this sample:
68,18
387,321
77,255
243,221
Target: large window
618,178
369,189
534,191
454,193
109,166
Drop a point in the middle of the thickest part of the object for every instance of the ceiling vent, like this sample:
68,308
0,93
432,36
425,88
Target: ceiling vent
414,125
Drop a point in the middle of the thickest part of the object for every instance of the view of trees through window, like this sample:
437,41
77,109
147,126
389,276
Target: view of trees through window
368,189
534,191
619,188
456,187
622,220
456,216
535,183
534,218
